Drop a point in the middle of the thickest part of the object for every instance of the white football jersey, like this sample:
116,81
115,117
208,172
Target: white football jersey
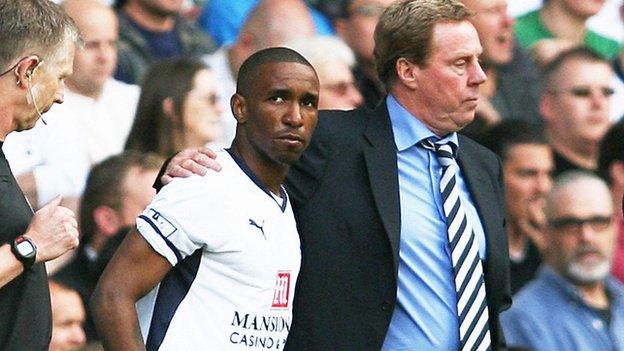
235,253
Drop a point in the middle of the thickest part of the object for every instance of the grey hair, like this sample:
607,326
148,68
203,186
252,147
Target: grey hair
38,27
567,179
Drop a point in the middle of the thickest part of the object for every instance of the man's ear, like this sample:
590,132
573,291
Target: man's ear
167,107
616,172
107,220
546,106
239,108
26,68
407,72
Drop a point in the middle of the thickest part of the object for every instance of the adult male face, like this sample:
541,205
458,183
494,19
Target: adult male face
338,89
45,85
527,169
137,194
495,28
36,58
445,88
278,116
581,231
357,28
576,105
95,63
68,317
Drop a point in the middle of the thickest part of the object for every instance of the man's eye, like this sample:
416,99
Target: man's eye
309,103
277,99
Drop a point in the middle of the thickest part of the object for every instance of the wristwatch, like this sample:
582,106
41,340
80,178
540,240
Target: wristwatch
25,250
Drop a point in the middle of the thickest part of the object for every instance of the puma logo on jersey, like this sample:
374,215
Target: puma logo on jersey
261,227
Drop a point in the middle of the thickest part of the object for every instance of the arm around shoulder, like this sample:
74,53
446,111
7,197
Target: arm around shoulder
133,271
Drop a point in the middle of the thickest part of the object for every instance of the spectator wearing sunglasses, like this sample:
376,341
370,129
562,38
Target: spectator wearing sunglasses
573,304
575,107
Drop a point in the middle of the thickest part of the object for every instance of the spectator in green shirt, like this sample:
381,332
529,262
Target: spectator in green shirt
564,20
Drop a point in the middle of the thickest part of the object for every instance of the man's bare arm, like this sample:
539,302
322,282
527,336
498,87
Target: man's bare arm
134,270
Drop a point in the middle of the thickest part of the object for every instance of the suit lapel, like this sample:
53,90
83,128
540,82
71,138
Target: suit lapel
381,163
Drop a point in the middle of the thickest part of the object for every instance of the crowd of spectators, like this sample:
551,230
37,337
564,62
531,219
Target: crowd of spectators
156,77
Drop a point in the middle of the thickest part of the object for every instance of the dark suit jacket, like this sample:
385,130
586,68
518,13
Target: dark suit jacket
346,197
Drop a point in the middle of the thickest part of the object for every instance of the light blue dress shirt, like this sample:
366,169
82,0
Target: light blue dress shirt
549,314
425,316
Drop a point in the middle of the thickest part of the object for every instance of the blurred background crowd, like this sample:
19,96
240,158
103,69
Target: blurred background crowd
156,76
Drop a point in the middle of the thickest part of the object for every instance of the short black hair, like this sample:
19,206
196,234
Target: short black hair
506,134
249,68
576,53
119,4
611,150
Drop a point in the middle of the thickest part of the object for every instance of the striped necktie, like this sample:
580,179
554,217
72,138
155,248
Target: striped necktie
474,332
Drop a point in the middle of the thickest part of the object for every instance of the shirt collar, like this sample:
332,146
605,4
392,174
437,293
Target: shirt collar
409,130
614,288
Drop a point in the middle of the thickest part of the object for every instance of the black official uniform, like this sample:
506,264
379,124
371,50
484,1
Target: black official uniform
25,314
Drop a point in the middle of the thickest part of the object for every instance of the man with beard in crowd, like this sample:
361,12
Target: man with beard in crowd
573,304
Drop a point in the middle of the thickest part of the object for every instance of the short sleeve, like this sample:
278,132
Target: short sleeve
181,218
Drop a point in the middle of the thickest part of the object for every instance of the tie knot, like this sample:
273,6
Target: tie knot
444,152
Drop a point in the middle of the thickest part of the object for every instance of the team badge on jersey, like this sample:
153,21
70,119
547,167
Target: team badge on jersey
164,225
282,290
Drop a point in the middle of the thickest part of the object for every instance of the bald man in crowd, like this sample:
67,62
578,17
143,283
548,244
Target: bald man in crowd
271,23
573,303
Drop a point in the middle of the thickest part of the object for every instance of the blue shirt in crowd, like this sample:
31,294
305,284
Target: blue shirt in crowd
162,44
549,314
425,316
223,19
